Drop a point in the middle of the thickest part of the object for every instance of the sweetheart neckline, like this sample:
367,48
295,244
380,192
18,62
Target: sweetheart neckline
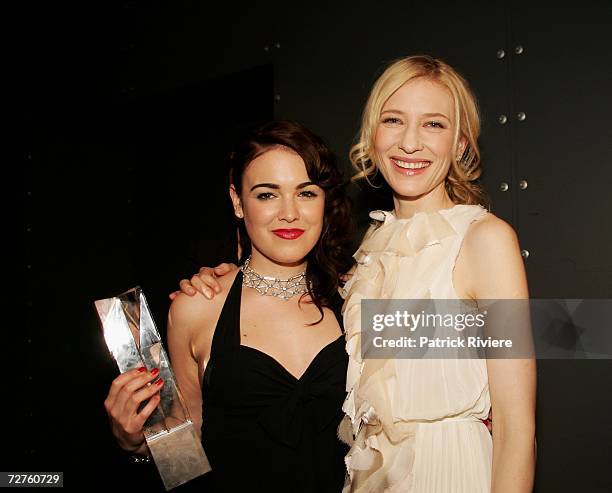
285,370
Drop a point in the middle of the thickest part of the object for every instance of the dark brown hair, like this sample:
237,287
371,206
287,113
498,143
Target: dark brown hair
330,257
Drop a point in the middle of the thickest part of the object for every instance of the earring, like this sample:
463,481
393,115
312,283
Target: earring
239,215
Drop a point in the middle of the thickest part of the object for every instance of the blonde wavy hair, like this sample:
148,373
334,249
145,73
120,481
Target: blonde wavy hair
460,183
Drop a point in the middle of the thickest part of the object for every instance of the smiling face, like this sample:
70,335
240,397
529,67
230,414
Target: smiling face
282,210
413,143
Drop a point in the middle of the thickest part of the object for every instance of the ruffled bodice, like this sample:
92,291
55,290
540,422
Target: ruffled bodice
388,399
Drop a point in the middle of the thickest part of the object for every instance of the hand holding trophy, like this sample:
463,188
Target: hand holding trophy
144,402
132,398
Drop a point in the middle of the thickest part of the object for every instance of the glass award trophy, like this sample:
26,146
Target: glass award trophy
133,340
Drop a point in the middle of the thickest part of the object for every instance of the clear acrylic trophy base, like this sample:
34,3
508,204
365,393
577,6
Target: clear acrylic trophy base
178,455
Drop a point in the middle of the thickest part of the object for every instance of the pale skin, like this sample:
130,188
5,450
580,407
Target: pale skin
276,194
417,124
417,128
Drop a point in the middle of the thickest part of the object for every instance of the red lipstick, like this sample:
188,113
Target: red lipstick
288,234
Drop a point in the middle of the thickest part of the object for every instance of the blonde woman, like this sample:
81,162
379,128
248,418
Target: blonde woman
416,425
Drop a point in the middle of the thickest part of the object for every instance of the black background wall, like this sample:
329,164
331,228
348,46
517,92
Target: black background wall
125,110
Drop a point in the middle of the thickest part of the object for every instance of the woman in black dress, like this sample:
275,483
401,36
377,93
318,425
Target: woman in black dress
262,367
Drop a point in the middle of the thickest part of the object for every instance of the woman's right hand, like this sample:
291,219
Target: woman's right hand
204,281
126,394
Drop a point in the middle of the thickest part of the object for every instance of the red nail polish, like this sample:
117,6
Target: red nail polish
154,371
142,369
160,381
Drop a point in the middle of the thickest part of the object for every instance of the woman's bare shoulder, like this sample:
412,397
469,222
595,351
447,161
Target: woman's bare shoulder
489,232
490,261
189,312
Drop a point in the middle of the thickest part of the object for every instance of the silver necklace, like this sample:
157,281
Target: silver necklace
271,286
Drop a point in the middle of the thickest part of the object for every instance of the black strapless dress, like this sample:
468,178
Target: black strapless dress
263,429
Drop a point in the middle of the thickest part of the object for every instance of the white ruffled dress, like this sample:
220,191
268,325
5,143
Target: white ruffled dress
414,425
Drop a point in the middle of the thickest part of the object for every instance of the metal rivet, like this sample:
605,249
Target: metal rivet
277,45
501,54
502,119
523,184
518,49
28,266
266,48
277,97
524,253
29,155
503,186
521,116
28,193
28,230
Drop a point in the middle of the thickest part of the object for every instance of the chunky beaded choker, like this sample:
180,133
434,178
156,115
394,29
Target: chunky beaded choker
271,286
